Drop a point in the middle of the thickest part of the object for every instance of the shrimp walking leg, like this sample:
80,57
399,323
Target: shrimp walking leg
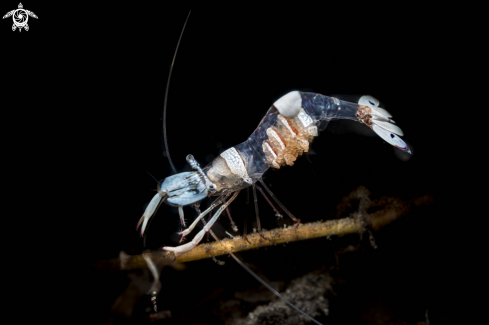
277,214
214,204
247,212
280,204
258,224
235,228
179,250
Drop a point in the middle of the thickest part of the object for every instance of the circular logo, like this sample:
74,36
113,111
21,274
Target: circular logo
20,17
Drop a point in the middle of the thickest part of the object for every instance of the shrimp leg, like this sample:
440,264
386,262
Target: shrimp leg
180,213
258,224
179,250
203,214
277,214
255,198
235,228
280,204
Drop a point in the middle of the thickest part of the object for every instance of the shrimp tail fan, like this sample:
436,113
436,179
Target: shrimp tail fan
382,123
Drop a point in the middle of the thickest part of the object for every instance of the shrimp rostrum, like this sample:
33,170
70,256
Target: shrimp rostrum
282,136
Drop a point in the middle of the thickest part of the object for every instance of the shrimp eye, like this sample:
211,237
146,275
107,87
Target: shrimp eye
392,136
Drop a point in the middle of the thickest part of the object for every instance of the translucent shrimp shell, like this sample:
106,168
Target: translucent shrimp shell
278,140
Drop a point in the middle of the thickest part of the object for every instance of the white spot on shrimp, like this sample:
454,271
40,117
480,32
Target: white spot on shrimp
289,105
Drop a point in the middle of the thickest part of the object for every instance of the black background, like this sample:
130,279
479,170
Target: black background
82,127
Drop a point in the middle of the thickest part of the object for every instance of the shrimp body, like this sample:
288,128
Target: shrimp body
282,136
285,133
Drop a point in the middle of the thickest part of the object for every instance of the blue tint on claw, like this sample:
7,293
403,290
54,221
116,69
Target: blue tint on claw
184,188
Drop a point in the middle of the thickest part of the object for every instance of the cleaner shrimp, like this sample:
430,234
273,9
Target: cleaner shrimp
282,136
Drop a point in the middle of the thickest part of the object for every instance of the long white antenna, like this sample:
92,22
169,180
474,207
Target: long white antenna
166,98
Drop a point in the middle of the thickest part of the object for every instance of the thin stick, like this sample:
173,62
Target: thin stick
304,231
277,236
338,227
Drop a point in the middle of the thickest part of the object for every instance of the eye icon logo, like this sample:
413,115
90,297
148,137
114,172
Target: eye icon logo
20,17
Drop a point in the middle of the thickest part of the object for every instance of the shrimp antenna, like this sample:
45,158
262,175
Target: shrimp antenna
152,177
166,97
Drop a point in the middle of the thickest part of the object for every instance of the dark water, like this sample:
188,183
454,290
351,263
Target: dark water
95,132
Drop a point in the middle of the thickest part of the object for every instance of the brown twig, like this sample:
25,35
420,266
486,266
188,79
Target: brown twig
340,227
